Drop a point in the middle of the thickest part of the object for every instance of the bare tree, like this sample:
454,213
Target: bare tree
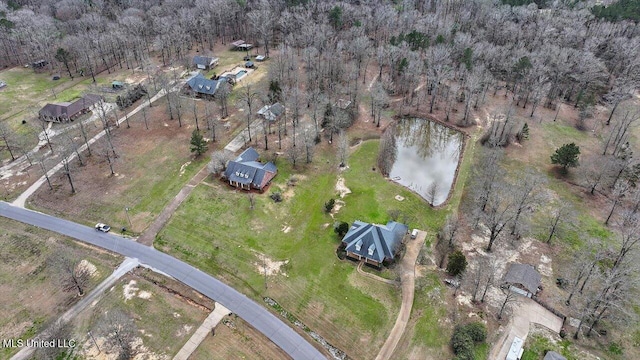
252,200
222,94
8,137
309,143
248,98
343,149
510,299
524,197
562,214
497,215
294,154
219,160
119,331
74,276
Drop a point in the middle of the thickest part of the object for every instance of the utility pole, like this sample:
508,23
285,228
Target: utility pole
126,210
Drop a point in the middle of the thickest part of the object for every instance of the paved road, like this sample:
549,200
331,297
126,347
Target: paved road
95,295
260,318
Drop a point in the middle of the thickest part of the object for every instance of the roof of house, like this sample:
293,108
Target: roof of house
552,355
524,275
271,112
69,110
374,241
204,60
246,170
202,85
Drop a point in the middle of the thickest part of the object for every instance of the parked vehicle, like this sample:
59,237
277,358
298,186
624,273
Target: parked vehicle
103,227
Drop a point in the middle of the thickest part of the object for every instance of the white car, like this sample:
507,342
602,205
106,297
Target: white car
103,227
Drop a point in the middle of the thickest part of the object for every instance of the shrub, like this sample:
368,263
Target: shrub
457,263
461,341
131,96
341,229
465,337
476,331
276,196
328,206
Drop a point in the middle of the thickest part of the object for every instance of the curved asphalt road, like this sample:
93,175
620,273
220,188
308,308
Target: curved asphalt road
260,318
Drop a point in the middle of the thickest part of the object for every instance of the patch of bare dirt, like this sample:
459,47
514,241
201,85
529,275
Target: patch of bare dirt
270,267
341,188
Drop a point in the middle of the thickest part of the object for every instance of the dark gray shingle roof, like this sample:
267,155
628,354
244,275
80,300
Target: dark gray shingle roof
374,241
203,60
202,85
524,275
247,170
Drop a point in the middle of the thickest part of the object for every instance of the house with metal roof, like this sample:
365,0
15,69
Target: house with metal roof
66,111
271,112
523,279
246,172
204,62
202,86
374,243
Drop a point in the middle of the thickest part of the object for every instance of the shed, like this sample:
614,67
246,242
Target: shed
249,64
117,84
2,84
552,355
260,58
524,277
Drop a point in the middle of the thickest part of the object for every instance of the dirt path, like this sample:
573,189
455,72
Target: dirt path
407,280
375,277
95,295
527,312
150,233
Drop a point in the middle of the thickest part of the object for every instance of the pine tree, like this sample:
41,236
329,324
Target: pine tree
198,144
566,156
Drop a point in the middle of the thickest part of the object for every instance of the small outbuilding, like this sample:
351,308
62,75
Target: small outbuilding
260,58
271,113
2,84
249,65
117,85
205,62
552,355
240,45
523,279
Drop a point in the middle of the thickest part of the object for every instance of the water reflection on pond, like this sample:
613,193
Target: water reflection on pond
423,156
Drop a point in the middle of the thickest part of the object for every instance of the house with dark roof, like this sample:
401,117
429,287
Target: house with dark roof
66,111
204,62
271,112
246,172
523,279
374,243
202,86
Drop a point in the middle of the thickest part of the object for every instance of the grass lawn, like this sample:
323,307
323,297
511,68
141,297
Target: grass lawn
151,168
215,230
164,320
30,295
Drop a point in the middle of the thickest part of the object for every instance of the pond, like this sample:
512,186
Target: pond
422,155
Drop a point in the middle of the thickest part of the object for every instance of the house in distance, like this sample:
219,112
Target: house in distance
64,112
246,172
374,243
201,86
